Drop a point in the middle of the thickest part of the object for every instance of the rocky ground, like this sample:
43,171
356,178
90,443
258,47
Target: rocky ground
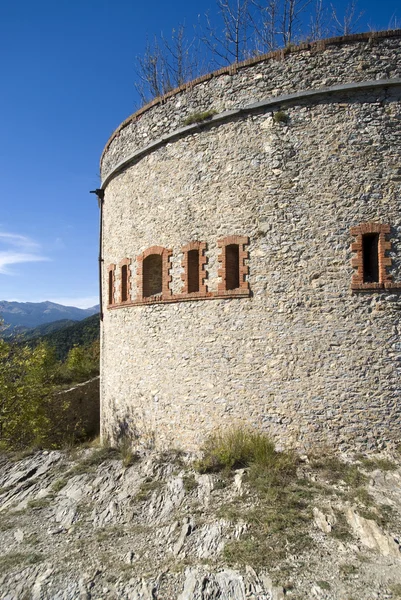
86,525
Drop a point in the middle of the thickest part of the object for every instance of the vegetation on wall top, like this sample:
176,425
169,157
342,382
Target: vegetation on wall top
243,29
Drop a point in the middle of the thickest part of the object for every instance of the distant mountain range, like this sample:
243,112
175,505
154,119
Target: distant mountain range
27,315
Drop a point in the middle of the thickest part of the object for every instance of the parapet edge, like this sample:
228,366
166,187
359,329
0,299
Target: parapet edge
318,46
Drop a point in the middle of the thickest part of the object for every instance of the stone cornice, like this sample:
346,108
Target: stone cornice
312,47
261,106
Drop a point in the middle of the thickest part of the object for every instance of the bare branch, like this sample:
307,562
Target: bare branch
231,44
265,25
348,23
318,22
290,20
166,64
394,23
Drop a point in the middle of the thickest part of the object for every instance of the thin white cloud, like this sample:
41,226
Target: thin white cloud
11,258
14,239
16,248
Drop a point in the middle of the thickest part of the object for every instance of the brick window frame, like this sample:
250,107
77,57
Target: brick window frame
111,285
242,242
126,262
166,277
201,248
385,280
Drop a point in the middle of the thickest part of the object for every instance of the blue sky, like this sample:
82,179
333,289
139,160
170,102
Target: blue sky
67,81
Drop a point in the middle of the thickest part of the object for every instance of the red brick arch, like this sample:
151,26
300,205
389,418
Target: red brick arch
200,247
165,255
224,270
358,279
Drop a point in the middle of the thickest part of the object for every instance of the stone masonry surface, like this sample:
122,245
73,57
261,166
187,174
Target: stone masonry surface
301,355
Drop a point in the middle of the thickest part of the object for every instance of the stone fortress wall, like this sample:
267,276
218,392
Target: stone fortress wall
298,172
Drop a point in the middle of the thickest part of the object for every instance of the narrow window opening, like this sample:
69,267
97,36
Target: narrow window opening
152,275
124,283
232,267
193,271
111,287
370,250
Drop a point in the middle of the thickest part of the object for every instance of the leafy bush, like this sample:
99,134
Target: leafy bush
25,382
81,364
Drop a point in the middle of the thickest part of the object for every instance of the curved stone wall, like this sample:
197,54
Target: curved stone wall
295,351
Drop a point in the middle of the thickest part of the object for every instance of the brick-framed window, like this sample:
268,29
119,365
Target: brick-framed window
371,261
154,274
232,269
125,281
110,284
193,264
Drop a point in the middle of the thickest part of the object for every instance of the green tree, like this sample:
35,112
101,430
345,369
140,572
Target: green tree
83,362
26,378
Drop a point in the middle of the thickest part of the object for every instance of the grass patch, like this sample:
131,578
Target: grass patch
362,496
237,448
348,569
265,551
275,504
106,533
40,503
280,117
324,585
6,522
84,508
128,456
198,117
367,507
396,590
386,514
96,458
59,484
253,550
32,540
334,470
190,483
14,559
17,455
341,530
382,514
147,488
384,464
220,483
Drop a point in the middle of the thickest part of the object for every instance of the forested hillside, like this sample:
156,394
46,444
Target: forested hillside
40,330
81,333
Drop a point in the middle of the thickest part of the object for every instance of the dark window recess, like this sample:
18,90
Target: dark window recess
193,271
152,275
110,287
370,252
124,283
232,266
